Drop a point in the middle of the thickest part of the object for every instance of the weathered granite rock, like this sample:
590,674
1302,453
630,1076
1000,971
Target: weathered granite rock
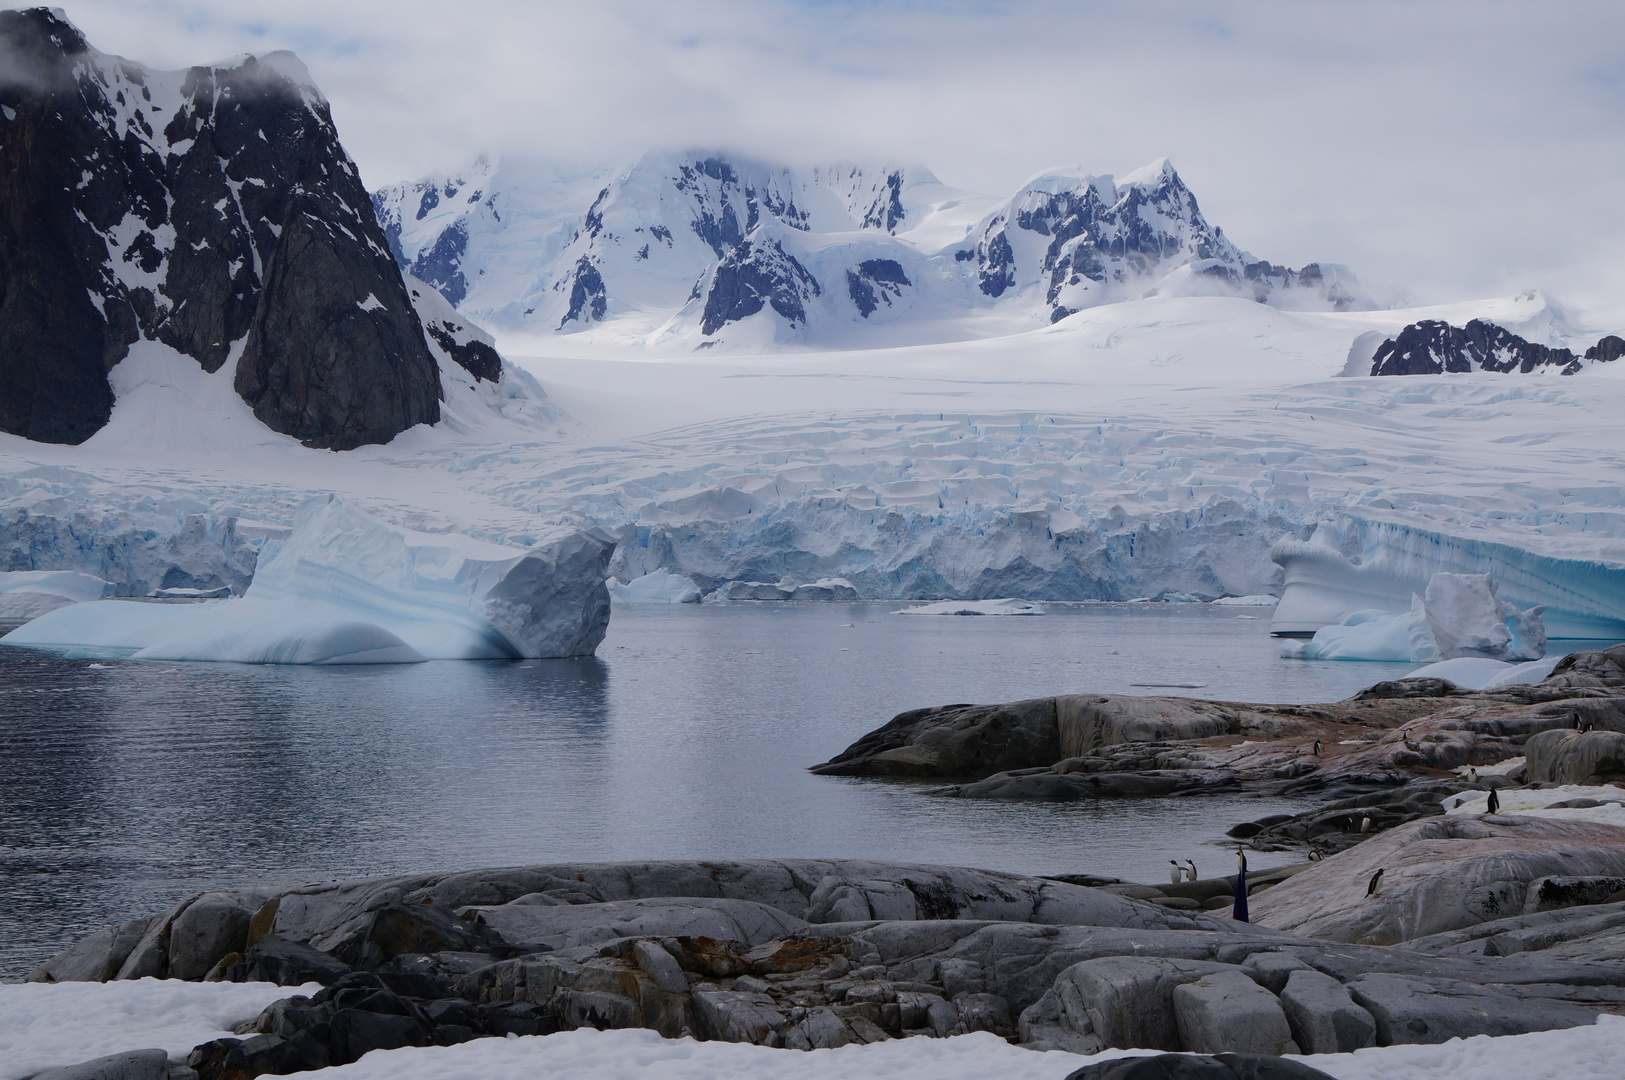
286,963
1596,932
128,1065
1562,756
1440,874
97,957
1202,1067
1082,746
1323,1016
1412,1010
210,927
1229,1012
564,926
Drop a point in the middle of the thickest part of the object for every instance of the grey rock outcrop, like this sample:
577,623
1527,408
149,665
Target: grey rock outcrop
1441,874
1227,1012
201,211
817,954
1323,1016
1563,756
128,1065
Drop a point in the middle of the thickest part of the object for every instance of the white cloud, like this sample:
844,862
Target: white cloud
1447,150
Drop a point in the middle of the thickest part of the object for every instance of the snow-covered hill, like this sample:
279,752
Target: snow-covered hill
707,250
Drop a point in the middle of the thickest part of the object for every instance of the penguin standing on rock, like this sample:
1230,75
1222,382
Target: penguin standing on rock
1494,804
1365,824
1374,889
1190,868
1176,873
1317,747
1239,911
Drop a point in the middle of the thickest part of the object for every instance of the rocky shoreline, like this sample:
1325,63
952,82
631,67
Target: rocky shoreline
1420,921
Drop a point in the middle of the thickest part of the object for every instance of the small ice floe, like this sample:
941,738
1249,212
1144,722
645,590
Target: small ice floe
1257,600
976,607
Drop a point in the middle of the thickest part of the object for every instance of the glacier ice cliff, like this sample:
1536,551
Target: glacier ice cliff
344,587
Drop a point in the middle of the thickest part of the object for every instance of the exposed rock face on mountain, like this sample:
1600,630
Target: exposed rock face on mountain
1433,347
1093,238
709,248
206,209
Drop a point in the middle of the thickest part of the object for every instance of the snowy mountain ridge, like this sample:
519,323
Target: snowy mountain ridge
702,250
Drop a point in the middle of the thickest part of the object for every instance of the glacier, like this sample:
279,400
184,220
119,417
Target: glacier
1147,448
345,588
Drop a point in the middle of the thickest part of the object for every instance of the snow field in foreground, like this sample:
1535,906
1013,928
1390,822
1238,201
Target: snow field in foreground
44,1026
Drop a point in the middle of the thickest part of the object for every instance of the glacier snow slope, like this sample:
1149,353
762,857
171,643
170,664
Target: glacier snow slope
1140,448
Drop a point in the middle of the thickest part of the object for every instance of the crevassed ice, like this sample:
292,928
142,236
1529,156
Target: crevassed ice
345,588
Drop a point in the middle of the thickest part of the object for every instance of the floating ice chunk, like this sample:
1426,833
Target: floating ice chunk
1260,600
975,607
824,589
1468,618
1461,617
657,587
748,590
28,594
1467,672
1368,635
346,588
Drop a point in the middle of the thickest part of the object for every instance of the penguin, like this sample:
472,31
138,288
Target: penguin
1376,884
1472,773
1238,911
1176,873
1494,805
1365,824
1315,855
1190,868
1317,747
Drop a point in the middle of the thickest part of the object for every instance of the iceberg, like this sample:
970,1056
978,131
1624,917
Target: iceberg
658,587
346,588
1461,616
975,607
1359,563
28,594
1477,673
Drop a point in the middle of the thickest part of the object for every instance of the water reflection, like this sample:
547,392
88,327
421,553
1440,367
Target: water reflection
124,786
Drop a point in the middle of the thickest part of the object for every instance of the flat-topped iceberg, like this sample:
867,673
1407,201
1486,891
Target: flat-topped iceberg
346,588
975,607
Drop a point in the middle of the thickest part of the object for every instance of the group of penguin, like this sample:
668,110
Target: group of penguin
1372,889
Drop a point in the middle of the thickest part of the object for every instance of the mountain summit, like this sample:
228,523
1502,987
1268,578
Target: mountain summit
703,248
212,210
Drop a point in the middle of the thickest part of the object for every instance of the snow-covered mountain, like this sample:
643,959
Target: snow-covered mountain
211,212
701,250
1434,347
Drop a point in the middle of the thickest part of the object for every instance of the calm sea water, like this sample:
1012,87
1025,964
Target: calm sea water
125,786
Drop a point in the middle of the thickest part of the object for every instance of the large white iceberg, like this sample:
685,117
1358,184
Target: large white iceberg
1461,615
28,594
1359,564
345,588
658,587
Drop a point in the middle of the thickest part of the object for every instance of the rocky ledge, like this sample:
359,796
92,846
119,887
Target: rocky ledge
1407,732
807,954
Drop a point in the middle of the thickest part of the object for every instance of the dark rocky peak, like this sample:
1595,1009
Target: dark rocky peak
1433,347
146,204
1607,350
874,282
758,273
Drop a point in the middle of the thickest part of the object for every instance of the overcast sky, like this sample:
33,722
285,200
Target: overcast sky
1444,151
